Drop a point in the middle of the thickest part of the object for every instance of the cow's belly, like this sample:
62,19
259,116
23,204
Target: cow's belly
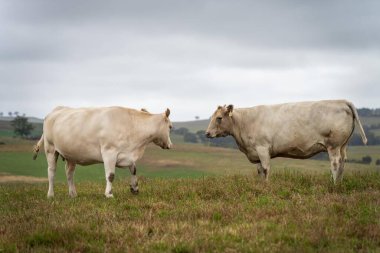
81,156
78,150
301,152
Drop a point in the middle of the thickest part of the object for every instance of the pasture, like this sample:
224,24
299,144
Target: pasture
295,212
192,199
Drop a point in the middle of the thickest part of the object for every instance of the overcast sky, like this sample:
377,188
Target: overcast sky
189,56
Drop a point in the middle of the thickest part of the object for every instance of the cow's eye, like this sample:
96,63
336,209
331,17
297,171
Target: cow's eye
219,120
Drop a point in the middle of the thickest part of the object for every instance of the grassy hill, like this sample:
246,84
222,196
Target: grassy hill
193,126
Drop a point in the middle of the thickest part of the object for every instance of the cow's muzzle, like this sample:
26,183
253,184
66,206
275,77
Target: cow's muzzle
167,146
208,135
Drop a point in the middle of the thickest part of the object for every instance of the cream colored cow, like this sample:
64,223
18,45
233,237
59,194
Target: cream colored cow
294,130
115,136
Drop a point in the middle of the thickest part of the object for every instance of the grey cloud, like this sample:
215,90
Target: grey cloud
188,55
260,23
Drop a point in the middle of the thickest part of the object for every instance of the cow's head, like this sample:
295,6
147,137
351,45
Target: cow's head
221,122
162,137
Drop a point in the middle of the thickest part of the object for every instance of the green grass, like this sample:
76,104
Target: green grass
192,199
294,212
6,133
184,160
21,163
376,132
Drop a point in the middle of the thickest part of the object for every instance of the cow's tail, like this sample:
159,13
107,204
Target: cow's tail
37,147
356,117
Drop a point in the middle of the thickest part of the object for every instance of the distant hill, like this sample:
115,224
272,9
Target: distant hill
193,126
368,117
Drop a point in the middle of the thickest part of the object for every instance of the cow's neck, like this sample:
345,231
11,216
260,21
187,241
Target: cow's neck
239,128
154,127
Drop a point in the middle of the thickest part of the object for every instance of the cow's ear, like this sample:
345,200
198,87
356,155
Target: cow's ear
167,113
230,108
144,110
219,107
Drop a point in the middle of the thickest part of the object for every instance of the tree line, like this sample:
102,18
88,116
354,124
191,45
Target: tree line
356,139
13,114
200,137
366,112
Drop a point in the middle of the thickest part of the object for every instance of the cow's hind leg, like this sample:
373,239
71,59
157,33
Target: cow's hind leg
260,170
336,162
109,166
70,169
51,157
264,157
343,153
134,184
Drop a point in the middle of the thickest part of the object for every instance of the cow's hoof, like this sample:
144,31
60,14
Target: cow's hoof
109,195
50,195
135,192
73,194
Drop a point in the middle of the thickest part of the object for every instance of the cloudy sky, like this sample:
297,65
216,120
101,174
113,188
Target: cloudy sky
189,56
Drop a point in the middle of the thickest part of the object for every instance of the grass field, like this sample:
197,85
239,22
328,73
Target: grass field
192,198
294,212
185,160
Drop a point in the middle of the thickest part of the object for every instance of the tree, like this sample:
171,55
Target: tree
378,162
366,159
226,142
10,114
16,113
1,114
202,136
196,117
190,137
180,131
22,127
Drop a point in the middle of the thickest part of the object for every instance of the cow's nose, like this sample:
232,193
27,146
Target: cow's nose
208,135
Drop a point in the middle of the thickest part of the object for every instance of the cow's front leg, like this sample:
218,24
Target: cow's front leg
70,168
264,156
109,166
134,183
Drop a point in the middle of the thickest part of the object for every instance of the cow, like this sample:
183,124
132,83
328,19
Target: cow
293,130
114,136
